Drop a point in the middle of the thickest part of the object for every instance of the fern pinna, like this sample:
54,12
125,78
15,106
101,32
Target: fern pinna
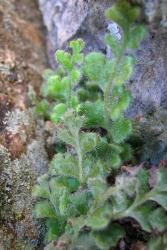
89,98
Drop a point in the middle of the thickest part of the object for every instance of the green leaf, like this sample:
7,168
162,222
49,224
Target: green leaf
123,14
161,184
158,193
127,69
74,102
48,73
114,43
41,190
136,36
94,112
98,69
64,202
120,101
160,198
94,62
53,88
77,46
81,201
125,100
88,142
42,108
71,184
44,209
126,153
158,219
116,112
141,215
115,160
100,218
75,76
97,187
109,237
65,165
57,112
86,242
55,229
120,130
73,122
120,202
56,88
142,184
83,94
64,58
67,137
115,15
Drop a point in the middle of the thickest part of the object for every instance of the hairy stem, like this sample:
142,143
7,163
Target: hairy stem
108,94
80,160
110,87
69,93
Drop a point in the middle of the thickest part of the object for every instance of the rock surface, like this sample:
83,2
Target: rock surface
66,20
22,153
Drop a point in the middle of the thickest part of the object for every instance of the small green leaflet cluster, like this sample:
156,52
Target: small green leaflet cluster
89,95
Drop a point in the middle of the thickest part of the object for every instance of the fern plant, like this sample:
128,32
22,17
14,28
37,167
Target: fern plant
82,210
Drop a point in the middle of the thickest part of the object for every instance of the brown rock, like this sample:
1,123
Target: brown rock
22,153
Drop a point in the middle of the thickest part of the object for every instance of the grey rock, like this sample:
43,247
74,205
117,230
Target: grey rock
149,83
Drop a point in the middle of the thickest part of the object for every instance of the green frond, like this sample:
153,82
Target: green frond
109,237
114,43
127,152
115,160
64,58
88,142
66,137
97,187
121,129
42,189
44,209
57,112
77,46
75,76
65,165
136,36
126,71
100,218
123,14
47,74
83,94
42,108
94,113
55,228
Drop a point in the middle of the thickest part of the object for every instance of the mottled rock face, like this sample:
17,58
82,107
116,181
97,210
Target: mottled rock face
149,84
22,152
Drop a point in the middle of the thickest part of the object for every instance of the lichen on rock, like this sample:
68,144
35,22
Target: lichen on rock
17,179
22,151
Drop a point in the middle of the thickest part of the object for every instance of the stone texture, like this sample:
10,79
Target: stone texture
22,151
149,84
